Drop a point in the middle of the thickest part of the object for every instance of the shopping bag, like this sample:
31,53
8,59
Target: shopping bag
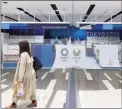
18,89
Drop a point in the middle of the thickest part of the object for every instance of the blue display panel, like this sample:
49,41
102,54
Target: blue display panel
34,26
9,65
61,31
46,54
79,34
103,26
5,26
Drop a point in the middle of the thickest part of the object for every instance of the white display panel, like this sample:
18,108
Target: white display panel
10,52
73,58
12,49
108,55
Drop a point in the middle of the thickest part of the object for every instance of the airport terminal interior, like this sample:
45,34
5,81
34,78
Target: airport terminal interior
79,44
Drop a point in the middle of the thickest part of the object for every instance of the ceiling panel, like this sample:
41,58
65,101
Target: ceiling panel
117,19
42,9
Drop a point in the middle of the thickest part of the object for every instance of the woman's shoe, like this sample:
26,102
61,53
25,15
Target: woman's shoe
13,105
33,104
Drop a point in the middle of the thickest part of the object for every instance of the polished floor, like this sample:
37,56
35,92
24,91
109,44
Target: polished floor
99,88
96,88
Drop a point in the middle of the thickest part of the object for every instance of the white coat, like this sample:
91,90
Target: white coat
26,73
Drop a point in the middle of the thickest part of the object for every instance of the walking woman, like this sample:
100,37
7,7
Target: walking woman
25,75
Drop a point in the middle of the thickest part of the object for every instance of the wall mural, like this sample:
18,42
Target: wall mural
66,55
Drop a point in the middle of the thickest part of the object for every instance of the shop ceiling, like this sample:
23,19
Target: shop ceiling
58,11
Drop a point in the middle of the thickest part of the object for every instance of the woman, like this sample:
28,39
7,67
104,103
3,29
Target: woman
25,75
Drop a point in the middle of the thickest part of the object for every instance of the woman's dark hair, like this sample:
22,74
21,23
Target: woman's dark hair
24,47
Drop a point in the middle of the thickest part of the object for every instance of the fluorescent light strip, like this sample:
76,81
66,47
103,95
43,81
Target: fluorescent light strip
27,13
113,16
107,76
10,18
88,12
54,7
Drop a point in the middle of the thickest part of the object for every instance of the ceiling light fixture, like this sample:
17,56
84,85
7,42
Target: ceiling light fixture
89,12
5,2
56,11
20,9
54,7
113,16
28,14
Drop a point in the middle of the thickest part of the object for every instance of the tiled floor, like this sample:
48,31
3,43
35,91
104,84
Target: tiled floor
102,91
96,88
51,89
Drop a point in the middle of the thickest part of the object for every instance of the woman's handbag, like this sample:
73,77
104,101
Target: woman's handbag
37,64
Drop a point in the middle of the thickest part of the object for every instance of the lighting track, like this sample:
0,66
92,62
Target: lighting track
113,16
57,12
9,18
28,14
88,12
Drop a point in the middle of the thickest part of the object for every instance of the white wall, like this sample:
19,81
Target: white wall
16,39
11,48
108,55
114,40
